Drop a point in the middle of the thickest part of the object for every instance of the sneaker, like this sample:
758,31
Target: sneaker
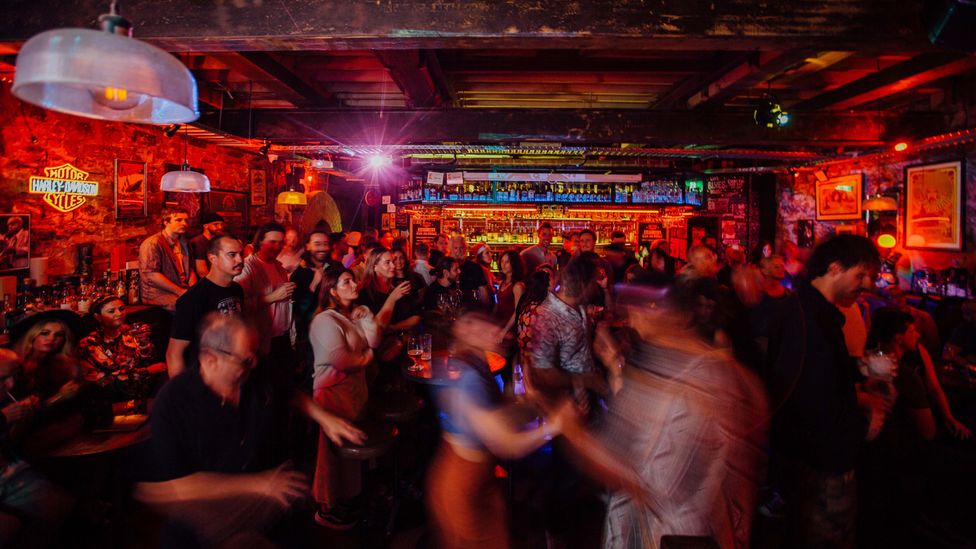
774,506
334,518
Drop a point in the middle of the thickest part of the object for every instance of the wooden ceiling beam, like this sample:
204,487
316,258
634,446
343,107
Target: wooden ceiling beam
307,25
412,74
919,70
261,66
400,126
758,69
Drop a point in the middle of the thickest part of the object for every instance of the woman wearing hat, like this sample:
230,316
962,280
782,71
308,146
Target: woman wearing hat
117,353
44,343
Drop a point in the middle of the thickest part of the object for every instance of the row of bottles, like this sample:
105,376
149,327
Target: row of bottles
73,293
483,191
665,191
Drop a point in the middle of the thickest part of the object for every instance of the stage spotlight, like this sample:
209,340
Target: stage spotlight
770,114
265,148
171,130
379,161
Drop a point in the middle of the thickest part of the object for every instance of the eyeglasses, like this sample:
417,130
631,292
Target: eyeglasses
247,363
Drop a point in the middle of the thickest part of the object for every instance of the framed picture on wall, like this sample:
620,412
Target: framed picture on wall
259,188
232,206
839,198
14,242
131,195
934,206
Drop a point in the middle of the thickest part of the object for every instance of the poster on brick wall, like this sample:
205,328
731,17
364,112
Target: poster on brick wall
14,242
131,200
424,232
232,206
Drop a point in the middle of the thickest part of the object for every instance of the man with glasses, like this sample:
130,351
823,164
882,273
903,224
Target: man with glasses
220,463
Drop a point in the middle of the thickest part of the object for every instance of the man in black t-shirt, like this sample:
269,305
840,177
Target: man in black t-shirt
215,292
216,448
447,271
213,225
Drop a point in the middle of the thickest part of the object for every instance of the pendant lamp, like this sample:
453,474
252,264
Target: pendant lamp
292,197
185,180
879,203
105,74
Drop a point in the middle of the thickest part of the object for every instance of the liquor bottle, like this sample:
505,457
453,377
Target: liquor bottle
121,288
134,297
8,314
549,193
531,192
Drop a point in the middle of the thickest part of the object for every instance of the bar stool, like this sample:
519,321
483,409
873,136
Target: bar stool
380,436
397,407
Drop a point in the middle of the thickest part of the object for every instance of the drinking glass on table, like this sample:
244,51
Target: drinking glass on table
426,340
415,350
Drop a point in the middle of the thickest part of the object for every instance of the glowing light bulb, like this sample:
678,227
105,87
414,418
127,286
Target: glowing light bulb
379,161
887,241
118,99
901,146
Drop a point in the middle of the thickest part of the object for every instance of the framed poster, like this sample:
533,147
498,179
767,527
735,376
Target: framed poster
14,242
259,187
191,202
131,195
232,206
839,198
934,206
805,233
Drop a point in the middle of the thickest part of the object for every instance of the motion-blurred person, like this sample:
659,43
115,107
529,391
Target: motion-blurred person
735,258
32,509
216,430
464,500
794,266
661,265
215,292
421,255
291,252
536,255
342,335
620,259
821,414
773,293
213,225
690,421
702,263
267,295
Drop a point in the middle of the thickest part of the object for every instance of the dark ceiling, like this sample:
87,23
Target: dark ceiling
671,75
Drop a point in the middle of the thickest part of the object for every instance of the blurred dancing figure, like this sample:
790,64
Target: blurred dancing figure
464,499
683,440
220,472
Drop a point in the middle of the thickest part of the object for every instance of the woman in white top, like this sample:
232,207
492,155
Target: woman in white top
342,336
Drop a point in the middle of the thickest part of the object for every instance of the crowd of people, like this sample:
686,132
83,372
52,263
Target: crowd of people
696,393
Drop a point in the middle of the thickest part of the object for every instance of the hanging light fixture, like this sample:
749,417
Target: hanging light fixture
880,203
105,74
291,196
185,180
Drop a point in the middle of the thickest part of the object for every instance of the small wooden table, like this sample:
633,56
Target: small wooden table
436,371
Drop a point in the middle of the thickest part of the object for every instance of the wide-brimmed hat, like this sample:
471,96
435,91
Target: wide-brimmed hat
71,319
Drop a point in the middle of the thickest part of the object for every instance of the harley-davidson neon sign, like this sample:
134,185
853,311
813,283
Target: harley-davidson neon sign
64,187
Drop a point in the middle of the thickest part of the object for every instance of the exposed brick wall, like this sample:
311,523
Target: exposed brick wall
93,146
797,199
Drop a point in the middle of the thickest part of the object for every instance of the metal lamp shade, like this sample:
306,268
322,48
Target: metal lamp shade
185,181
880,204
292,198
105,76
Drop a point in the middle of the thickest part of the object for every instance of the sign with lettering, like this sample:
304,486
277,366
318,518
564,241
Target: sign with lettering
649,232
425,231
64,187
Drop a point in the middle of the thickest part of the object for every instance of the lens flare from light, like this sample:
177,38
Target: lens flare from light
379,161
901,146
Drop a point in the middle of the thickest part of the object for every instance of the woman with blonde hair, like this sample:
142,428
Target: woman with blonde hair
389,303
46,352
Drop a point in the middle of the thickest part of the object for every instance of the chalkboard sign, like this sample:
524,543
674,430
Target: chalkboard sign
424,232
649,232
